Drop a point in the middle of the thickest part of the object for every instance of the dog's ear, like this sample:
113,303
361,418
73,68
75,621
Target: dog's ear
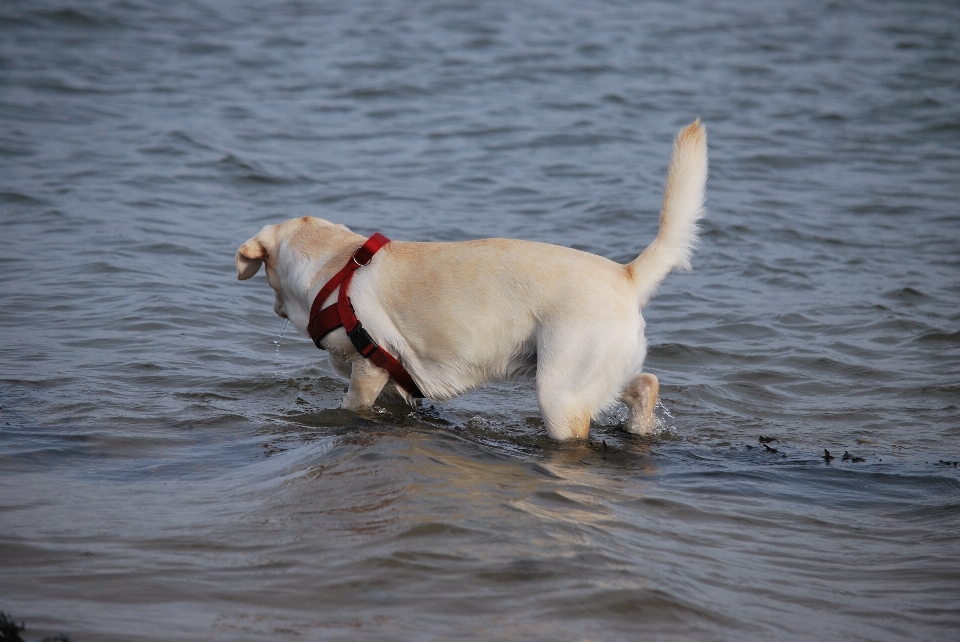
249,258
254,252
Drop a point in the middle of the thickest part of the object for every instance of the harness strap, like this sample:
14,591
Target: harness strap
326,320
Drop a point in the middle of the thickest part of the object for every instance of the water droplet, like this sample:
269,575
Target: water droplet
276,342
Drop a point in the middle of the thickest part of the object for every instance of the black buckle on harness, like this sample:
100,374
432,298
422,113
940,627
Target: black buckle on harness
360,339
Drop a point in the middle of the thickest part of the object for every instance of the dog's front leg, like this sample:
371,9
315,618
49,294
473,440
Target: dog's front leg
366,382
640,395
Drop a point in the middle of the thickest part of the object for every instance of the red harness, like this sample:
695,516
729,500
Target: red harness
341,313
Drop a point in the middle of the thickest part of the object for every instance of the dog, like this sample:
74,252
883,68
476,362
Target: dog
458,315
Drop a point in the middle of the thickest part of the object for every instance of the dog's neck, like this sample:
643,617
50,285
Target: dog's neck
301,280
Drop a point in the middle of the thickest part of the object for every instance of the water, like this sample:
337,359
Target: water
168,473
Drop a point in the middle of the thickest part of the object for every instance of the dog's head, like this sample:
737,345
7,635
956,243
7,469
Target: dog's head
294,254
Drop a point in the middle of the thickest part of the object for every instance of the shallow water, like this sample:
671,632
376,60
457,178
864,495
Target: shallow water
168,472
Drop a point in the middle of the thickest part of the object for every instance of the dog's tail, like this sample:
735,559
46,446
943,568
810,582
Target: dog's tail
682,208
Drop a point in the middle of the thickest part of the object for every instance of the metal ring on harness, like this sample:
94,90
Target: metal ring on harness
353,257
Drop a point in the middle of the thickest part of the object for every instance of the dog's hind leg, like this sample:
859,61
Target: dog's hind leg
366,382
640,395
564,417
576,375
571,387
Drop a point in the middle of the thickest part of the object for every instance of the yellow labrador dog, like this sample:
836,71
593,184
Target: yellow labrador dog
453,316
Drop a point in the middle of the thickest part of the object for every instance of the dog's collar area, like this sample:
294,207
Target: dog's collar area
326,320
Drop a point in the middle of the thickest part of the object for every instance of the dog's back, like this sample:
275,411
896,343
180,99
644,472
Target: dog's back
466,313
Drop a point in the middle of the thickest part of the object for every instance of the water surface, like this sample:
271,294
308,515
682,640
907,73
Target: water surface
167,472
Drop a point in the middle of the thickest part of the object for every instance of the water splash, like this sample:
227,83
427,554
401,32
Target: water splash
662,420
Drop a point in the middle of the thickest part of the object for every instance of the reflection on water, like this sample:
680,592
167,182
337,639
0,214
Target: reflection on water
168,472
